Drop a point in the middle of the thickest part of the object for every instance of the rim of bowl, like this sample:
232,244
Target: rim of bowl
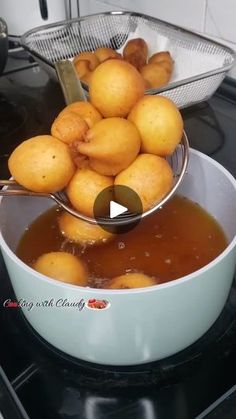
106,291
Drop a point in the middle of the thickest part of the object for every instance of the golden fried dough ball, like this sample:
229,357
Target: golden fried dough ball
149,176
105,53
62,266
115,87
159,123
81,232
69,127
79,159
84,188
86,111
104,168
89,56
160,57
134,45
135,52
131,280
111,144
136,59
168,66
164,59
82,67
155,75
42,164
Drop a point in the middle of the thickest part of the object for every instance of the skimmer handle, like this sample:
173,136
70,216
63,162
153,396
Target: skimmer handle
69,81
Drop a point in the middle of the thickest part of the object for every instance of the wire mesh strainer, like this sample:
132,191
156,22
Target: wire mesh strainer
200,63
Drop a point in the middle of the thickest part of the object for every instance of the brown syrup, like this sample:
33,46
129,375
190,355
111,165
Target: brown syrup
175,241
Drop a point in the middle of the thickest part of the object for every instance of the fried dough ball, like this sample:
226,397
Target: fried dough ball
79,159
164,59
115,87
62,266
149,176
136,44
159,123
81,232
136,59
82,67
69,127
155,75
84,188
84,110
136,52
168,66
88,56
105,53
112,144
160,57
42,164
131,280
83,70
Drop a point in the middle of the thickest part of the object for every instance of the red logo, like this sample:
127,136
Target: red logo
10,304
92,303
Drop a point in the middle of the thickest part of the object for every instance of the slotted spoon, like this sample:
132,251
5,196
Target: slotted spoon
73,91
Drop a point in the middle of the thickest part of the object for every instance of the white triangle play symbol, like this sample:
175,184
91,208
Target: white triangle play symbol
116,209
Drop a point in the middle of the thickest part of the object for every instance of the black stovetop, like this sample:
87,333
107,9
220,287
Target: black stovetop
37,381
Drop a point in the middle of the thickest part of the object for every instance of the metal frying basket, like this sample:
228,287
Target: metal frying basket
200,63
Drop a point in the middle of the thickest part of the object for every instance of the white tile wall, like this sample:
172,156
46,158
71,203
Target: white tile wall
188,13
220,23
88,7
216,18
220,19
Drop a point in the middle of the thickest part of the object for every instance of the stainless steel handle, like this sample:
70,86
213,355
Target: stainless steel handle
69,81
4,182
18,190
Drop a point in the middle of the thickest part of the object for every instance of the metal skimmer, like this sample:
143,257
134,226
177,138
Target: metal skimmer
72,91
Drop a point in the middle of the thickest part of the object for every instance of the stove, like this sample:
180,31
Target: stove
38,381
28,103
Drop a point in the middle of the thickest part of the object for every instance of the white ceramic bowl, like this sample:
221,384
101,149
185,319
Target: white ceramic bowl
140,325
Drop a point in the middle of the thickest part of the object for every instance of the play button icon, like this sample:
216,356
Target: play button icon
118,209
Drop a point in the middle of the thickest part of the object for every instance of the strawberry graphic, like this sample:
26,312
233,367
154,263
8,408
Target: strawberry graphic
12,304
97,304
